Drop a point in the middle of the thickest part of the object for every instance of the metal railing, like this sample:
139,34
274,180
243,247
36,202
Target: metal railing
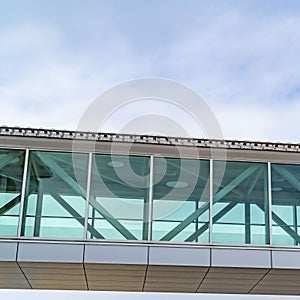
148,139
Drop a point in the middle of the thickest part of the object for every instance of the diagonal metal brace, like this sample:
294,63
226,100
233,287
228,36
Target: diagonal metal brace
9,157
9,205
110,219
221,194
76,215
217,217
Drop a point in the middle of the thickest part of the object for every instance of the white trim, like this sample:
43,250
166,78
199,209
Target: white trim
23,191
150,202
88,189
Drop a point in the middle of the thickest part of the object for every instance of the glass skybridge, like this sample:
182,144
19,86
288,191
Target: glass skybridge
117,212
147,198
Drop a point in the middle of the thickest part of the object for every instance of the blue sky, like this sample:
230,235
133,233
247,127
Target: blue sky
243,57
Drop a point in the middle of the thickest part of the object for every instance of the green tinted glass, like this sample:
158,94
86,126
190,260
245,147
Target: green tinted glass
118,202
55,202
285,204
11,175
240,203
181,200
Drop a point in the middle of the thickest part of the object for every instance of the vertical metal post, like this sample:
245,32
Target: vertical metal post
93,221
38,210
211,198
247,221
150,202
197,220
88,189
23,191
270,201
295,221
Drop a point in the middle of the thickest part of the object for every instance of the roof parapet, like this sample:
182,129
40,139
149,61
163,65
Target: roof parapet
147,139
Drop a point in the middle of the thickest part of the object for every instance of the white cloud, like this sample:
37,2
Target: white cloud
248,69
244,62
50,90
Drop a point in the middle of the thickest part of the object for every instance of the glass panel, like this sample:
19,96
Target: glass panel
285,204
55,199
118,204
240,205
11,175
181,200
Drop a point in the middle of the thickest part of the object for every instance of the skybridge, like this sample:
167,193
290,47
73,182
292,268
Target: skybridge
121,212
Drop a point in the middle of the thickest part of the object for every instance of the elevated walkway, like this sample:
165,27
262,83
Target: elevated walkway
95,211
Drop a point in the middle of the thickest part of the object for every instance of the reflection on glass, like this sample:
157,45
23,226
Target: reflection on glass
118,202
11,175
55,202
181,200
285,204
240,203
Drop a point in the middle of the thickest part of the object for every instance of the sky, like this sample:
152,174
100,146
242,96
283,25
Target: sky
242,57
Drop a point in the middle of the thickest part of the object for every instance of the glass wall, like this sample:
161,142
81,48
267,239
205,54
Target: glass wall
240,203
285,204
11,175
64,198
54,204
118,201
180,200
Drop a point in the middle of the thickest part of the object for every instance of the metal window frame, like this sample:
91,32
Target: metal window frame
23,191
150,210
88,189
150,202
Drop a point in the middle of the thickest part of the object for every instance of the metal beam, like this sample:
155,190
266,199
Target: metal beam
76,215
73,184
38,210
221,194
247,223
110,219
288,176
248,207
235,182
25,194
295,221
9,205
102,175
224,211
188,171
253,184
282,224
62,174
285,227
147,211
9,157
217,217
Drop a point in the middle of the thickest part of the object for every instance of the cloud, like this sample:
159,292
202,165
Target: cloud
247,66
44,84
243,59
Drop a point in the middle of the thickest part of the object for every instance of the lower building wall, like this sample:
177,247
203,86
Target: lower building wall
148,267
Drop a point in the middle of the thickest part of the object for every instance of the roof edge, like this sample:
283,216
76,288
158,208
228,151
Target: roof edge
147,139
